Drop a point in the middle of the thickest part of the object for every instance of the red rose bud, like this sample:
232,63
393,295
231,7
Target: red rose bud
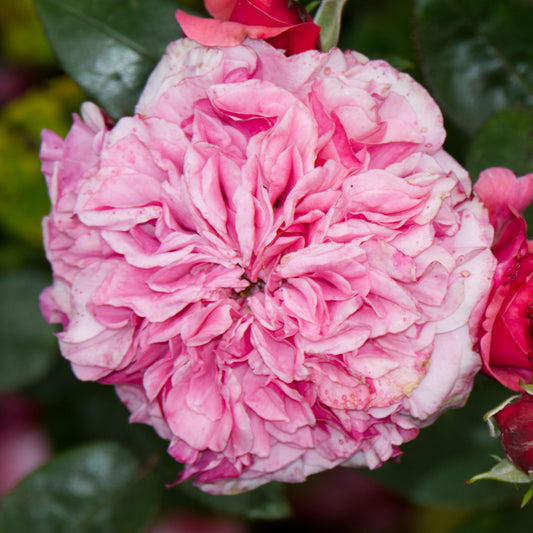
516,425
284,24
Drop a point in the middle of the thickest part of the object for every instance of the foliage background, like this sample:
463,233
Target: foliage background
475,57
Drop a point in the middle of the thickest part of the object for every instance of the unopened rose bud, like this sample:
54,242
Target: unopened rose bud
516,425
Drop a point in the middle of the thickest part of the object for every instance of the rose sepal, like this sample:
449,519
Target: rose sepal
504,471
328,17
527,388
527,497
488,417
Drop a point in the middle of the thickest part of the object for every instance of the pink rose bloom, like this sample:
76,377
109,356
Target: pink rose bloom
284,24
506,342
274,261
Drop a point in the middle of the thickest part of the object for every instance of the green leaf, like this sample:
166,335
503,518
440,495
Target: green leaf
435,465
381,30
504,140
504,471
92,489
26,340
527,387
328,17
527,497
477,56
76,412
268,502
110,47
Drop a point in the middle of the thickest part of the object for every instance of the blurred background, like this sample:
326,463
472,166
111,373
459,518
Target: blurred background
45,413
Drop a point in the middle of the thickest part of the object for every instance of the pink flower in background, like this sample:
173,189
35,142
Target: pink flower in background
506,344
347,500
273,261
284,24
23,444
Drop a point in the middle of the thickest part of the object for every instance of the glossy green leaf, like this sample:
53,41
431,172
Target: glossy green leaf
435,466
477,56
267,502
93,489
76,412
110,47
27,343
505,140
381,30
328,17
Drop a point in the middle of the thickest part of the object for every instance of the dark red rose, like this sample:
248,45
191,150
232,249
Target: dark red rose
284,24
516,425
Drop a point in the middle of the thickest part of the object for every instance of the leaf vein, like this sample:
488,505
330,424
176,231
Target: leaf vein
103,28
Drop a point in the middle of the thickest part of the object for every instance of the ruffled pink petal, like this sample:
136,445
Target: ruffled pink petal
273,261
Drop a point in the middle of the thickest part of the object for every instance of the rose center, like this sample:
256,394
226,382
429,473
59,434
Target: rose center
251,289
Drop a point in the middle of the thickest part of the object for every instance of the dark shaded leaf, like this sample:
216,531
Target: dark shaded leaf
77,412
380,30
505,140
477,56
26,340
109,47
268,502
435,466
97,488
